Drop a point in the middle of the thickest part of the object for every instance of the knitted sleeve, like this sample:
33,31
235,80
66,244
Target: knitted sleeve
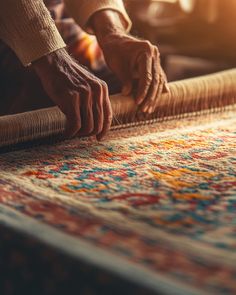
27,27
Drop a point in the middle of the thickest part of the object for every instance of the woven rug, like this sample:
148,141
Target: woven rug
155,204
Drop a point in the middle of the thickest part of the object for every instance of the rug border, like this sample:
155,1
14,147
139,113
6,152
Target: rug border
82,250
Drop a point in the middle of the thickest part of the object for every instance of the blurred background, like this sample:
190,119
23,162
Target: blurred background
195,37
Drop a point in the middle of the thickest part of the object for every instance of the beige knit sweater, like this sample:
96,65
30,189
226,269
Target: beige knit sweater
27,27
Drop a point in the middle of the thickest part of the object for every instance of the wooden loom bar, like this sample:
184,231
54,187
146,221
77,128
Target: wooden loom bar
186,96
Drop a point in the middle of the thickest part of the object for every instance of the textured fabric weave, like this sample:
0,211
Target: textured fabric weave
163,197
26,26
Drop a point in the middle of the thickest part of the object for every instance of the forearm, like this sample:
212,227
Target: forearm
27,27
105,23
82,12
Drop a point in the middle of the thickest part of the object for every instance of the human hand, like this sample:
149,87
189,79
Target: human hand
134,60
81,96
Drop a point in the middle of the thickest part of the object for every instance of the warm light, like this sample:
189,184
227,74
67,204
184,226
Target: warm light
187,5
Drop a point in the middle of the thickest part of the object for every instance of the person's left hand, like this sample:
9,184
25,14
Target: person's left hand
134,60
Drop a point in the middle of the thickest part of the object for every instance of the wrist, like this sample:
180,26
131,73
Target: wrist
106,23
50,59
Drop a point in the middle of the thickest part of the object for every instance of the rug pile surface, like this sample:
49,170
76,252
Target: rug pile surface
160,199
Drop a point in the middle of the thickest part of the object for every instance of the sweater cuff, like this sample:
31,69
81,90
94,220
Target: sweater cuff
28,29
83,11
37,45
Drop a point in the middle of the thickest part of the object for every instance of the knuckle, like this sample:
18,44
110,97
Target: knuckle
156,79
148,47
157,51
100,88
73,94
162,79
94,82
85,89
149,78
96,89
147,44
104,85
81,89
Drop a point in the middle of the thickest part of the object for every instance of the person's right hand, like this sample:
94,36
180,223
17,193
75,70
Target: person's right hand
81,96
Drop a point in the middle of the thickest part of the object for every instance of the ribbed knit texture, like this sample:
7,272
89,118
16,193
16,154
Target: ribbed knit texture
27,27
82,10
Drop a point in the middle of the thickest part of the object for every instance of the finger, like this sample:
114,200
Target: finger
166,87
161,86
73,124
159,91
150,100
72,127
145,77
86,112
107,114
158,94
160,79
98,113
162,76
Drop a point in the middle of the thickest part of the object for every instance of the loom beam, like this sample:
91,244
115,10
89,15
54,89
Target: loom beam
210,92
